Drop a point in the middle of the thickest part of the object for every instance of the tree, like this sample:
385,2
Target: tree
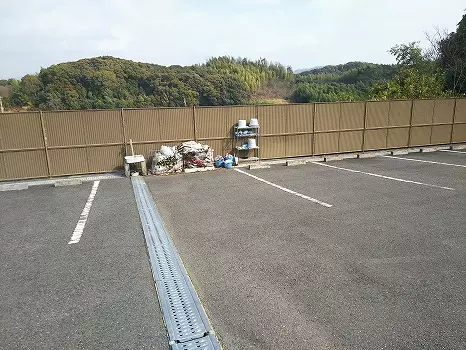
417,76
452,56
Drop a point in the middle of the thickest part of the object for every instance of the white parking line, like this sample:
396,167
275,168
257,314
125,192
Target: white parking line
385,177
451,151
79,229
286,189
427,161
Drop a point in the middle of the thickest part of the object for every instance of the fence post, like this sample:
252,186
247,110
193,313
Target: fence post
313,145
194,123
410,123
46,145
123,129
453,122
364,127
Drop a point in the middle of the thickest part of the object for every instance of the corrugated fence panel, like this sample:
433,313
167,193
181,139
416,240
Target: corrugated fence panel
103,126
327,116
326,143
440,134
375,139
2,167
142,124
398,138
21,130
27,164
107,158
298,145
176,124
233,114
460,112
68,161
423,112
300,118
273,119
350,141
459,133
420,136
377,114
443,111
400,113
221,147
210,122
64,128
272,147
352,115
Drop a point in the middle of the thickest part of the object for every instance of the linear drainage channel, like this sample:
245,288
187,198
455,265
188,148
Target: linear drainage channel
186,321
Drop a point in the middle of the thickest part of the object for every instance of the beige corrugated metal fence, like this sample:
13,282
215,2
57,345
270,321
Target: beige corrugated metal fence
47,144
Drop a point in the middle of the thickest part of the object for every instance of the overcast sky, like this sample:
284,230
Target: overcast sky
300,33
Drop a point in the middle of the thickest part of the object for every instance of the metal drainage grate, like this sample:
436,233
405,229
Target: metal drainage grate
205,343
186,321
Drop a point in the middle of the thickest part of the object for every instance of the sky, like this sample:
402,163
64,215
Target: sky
298,33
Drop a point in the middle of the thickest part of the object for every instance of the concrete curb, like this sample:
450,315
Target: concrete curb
68,182
13,187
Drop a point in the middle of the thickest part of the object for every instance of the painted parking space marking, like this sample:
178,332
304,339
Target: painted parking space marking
384,177
452,151
426,161
286,189
79,229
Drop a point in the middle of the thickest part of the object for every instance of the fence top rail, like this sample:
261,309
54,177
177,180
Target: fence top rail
230,106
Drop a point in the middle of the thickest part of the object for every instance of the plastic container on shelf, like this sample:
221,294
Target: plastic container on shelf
242,123
254,122
252,143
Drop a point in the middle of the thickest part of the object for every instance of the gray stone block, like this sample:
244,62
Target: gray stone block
399,152
331,158
13,187
348,156
259,166
429,149
67,182
458,147
295,162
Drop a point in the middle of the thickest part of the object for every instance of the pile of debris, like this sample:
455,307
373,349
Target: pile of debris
188,155
167,160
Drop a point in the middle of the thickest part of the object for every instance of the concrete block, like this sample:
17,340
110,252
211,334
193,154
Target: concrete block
429,149
348,156
414,150
331,158
295,162
366,155
13,187
316,159
443,147
400,152
67,182
458,147
198,170
259,166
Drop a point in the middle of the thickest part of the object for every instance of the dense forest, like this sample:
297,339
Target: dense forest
108,82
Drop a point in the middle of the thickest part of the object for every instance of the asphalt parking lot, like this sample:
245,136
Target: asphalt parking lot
383,268
97,293
350,254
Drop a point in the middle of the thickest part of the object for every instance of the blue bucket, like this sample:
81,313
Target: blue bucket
219,163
